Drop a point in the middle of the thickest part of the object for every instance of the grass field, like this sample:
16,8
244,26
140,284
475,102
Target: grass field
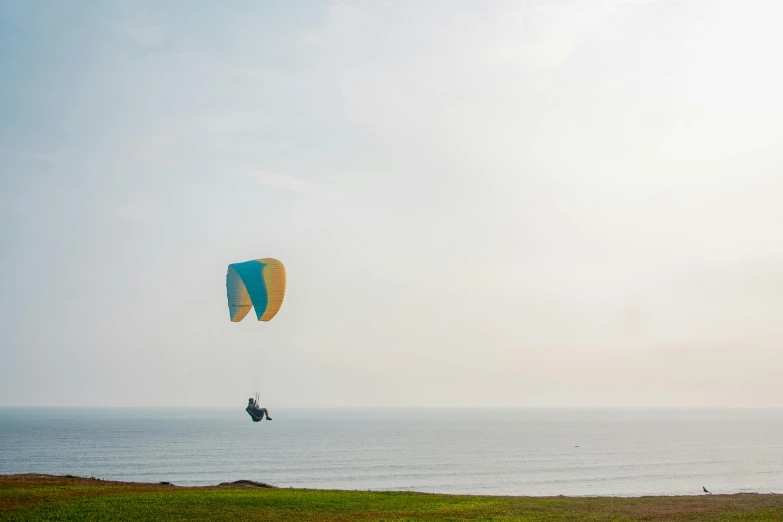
45,497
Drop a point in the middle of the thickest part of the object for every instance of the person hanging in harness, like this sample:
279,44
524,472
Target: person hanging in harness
255,411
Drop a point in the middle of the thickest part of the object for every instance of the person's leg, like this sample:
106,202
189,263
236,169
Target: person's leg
267,414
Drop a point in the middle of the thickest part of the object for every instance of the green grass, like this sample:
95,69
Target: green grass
43,497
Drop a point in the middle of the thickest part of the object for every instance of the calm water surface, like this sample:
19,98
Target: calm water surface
509,452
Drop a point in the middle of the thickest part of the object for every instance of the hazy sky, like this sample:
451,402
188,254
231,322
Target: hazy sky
534,203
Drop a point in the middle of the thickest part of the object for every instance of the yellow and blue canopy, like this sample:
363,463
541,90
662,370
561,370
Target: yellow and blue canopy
259,284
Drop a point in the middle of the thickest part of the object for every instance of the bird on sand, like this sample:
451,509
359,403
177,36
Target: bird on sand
705,490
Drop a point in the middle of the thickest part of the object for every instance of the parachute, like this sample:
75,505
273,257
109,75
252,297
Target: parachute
260,284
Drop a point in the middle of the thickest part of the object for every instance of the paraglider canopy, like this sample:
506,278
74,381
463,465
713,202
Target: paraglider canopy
259,284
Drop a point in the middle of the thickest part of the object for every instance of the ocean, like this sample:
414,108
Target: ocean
487,452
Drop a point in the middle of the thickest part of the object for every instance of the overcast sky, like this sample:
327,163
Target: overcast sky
533,203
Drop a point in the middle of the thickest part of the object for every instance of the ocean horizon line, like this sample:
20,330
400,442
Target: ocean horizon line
390,408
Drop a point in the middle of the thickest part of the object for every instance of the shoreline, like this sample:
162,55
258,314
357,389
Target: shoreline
247,483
